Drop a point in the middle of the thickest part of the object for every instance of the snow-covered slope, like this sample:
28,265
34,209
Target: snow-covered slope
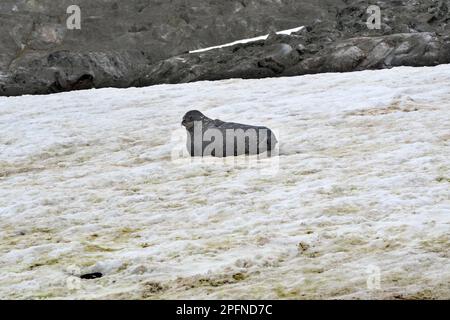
90,182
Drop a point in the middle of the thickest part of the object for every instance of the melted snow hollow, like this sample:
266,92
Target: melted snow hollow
357,204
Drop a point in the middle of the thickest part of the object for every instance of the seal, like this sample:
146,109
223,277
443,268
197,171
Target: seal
217,138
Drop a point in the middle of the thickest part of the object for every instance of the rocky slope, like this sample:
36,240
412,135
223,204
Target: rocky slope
144,42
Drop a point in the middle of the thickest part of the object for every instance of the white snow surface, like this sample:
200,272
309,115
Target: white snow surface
264,37
359,193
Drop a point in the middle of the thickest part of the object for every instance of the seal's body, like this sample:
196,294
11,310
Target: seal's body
208,137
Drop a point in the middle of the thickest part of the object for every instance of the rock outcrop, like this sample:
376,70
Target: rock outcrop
282,59
145,42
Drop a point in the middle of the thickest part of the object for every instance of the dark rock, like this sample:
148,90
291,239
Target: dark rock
279,57
145,42
414,49
262,60
91,276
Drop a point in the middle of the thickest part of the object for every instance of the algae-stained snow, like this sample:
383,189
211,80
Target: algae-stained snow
357,205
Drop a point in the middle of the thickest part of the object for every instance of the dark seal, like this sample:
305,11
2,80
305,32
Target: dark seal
217,138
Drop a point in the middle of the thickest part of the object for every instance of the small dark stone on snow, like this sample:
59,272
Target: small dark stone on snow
90,276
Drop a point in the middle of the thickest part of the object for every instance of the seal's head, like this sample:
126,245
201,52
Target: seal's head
190,117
